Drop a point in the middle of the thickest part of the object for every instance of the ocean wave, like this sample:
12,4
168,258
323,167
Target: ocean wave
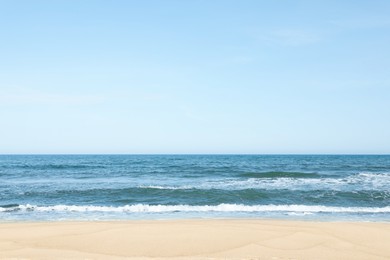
360,181
53,166
145,208
379,182
160,187
280,174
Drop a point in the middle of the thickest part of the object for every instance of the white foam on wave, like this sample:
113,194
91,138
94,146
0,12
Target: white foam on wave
144,208
158,187
361,181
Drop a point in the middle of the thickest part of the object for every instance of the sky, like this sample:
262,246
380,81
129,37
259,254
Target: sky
197,76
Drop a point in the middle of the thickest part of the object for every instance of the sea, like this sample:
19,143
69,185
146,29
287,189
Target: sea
138,187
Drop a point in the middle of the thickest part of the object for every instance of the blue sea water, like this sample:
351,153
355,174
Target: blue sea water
110,187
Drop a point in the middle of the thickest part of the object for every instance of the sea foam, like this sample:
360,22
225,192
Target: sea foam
144,208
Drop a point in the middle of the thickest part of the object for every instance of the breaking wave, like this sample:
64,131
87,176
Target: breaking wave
145,208
360,181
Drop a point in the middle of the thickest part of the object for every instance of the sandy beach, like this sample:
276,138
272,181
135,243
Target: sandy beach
196,239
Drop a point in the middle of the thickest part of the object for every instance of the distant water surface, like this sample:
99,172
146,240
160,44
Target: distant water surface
93,187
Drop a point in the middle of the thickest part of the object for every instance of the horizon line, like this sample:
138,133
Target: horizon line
5,154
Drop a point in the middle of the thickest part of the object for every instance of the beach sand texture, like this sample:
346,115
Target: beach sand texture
195,239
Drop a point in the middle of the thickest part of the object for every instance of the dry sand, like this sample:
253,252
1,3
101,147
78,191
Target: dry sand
195,239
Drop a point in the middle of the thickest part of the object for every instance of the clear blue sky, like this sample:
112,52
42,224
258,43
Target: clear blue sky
194,76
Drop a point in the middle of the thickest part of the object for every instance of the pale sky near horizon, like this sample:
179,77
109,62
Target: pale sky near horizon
194,76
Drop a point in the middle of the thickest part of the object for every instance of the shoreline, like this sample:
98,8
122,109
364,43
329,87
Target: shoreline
195,238
179,219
